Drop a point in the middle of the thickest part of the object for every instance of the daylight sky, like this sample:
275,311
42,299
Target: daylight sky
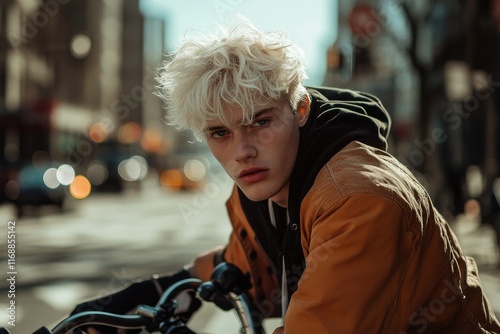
311,24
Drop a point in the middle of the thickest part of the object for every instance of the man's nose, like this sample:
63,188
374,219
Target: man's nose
245,147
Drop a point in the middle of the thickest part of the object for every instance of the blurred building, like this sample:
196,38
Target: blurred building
434,64
72,83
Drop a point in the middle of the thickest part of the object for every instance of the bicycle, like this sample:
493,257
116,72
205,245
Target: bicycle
226,289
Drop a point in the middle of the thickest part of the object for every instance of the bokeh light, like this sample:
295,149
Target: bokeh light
472,208
80,187
97,173
129,170
133,169
80,46
151,141
65,174
98,132
50,178
129,132
195,170
171,179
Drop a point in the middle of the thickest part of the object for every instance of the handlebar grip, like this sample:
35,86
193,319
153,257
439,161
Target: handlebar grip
209,292
230,278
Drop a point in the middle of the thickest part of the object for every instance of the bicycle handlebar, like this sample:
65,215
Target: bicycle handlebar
226,289
100,318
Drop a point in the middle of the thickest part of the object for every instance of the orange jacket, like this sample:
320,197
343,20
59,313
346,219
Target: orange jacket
379,257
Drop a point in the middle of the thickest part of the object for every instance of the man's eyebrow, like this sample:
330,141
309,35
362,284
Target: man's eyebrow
214,128
263,111
256,115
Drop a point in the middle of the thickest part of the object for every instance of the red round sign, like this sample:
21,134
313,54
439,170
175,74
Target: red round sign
361,19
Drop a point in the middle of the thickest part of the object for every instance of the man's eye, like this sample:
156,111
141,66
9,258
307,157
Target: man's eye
218,134
261,122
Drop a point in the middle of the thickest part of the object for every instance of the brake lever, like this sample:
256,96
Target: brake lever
226,278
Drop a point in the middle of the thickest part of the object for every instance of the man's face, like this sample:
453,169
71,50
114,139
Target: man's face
259,156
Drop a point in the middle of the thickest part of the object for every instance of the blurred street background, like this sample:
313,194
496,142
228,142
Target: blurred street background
103,192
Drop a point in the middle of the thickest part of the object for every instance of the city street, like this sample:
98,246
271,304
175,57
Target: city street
107,240
103,105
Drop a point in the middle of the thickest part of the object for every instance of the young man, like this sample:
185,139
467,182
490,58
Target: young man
336,234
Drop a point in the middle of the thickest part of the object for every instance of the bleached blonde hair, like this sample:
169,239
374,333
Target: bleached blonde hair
240,66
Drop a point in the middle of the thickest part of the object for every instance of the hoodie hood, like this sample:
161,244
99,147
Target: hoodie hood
338,117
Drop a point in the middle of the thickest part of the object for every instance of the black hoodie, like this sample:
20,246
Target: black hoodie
337,117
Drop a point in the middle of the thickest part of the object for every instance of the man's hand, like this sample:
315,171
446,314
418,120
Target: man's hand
126,299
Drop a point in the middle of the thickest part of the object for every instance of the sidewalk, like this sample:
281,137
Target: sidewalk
478,241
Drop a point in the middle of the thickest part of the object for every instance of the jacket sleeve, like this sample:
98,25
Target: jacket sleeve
354,248
244,251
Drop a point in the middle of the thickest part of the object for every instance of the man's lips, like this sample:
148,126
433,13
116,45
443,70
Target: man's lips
252,175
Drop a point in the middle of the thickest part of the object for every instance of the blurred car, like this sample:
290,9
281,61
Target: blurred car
115,167
188,166
186,172
8,172
103,172
36,186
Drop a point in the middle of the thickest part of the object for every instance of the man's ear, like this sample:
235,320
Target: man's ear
303,109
